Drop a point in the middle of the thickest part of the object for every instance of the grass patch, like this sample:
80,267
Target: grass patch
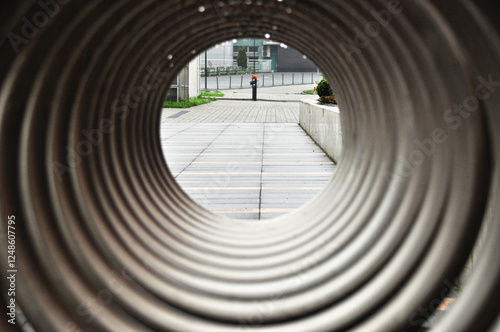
189,103
308,92
212,94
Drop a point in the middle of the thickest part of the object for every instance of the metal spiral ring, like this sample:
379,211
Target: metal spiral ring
107,241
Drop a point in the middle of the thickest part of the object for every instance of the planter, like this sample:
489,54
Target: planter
322,123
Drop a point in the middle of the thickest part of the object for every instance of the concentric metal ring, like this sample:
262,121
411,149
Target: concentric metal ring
106,240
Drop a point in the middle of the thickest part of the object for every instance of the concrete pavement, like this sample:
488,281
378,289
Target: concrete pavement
237,107
235,111
244,159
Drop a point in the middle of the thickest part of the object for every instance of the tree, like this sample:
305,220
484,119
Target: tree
324,89
241,60
325,93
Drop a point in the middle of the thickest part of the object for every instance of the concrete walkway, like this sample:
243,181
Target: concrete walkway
281,105
244,159
235,111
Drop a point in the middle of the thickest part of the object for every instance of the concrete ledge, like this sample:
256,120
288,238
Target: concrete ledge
322,123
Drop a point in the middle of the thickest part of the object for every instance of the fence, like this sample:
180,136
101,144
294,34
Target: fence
263,80
261,66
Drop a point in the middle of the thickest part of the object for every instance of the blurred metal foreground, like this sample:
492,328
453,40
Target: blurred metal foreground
106,241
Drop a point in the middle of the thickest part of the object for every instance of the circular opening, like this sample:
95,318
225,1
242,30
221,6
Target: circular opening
244,158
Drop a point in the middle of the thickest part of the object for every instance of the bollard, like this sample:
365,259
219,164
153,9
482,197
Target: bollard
253,83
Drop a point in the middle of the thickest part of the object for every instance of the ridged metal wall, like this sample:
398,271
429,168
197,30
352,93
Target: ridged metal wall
107,241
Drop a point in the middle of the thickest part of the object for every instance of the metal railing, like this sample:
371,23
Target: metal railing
264,80
261,66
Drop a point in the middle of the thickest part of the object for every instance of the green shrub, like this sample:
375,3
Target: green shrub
324,89
327,99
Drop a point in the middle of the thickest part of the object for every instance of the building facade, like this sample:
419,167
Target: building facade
270,56
263,55
220,55
187,84
290,60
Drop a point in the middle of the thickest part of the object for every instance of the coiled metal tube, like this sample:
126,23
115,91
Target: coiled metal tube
107,241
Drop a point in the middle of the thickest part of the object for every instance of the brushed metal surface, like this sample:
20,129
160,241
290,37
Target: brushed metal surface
107,241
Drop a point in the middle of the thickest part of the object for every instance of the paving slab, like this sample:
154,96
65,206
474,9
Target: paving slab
223,111
244,160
